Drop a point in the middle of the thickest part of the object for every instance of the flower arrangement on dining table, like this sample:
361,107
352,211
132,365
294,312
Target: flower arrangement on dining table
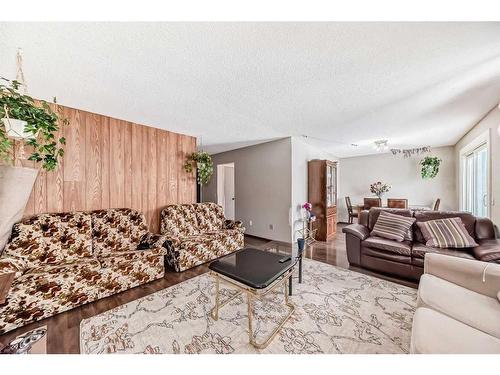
379,188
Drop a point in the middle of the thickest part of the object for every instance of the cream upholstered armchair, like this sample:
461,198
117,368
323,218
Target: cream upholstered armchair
458,307
198,233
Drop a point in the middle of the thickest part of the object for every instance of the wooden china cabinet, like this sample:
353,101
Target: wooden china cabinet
322,187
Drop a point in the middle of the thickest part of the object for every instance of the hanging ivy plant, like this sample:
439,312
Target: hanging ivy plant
202,162
430,166
42,123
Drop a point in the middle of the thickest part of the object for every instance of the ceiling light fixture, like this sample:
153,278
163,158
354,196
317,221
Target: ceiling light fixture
381,145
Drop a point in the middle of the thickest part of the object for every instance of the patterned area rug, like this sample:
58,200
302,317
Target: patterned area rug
337,311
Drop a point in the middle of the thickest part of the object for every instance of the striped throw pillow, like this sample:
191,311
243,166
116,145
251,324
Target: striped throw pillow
446,233
392,227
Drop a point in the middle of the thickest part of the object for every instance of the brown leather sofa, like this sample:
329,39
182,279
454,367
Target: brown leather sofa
406,259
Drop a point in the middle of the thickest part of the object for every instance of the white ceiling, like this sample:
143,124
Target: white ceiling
235,84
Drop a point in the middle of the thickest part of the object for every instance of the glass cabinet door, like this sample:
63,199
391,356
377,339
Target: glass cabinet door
331,185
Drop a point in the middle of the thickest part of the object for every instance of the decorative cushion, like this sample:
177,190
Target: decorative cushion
51,238
392,227
119,229
446,233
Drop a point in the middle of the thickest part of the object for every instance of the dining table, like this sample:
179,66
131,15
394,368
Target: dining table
415,207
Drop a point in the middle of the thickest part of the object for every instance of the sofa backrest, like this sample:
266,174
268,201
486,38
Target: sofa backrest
179,220
468,219
210,216
54,238
191,219
117,229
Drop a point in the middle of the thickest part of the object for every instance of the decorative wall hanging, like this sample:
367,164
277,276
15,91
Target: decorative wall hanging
409,152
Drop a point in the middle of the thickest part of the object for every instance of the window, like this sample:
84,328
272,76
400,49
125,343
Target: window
475,166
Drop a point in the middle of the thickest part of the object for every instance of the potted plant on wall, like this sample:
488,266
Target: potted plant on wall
202,162
24,122
430,167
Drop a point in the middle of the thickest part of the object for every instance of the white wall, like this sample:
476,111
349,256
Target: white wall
490,123
302,152
357,173
263,181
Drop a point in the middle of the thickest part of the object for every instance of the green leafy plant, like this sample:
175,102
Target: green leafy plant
42,124
202,162
430,166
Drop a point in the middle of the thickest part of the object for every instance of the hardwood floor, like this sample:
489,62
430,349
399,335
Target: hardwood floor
63,329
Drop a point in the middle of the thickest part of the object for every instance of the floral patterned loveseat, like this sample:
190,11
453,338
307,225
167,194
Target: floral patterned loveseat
64,260
198,233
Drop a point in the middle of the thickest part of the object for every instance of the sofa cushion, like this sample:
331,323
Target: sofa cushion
391,226
117,229
468,220
419,250
435,333
50,290
51,238
446,233
401,248
383,254
210,217
179,220
471,308
488,250
127,269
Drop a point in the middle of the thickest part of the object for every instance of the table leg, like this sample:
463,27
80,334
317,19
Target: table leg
215,313
300,269
290,288
250,329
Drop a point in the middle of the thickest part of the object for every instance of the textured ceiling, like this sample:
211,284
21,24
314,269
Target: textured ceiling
235,84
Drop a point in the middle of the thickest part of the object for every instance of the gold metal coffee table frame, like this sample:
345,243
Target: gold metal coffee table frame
251,295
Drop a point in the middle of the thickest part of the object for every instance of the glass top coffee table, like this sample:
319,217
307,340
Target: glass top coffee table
256,273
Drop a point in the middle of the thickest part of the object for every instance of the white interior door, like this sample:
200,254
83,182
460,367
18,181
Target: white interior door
229,191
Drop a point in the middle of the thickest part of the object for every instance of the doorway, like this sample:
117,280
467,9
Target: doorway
475,175
225,189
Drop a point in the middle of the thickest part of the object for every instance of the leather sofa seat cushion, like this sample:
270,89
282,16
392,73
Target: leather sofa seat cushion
400,248
386,255
488,250
436,333
471,308
419,250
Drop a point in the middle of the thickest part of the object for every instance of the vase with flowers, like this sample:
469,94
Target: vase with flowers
379,188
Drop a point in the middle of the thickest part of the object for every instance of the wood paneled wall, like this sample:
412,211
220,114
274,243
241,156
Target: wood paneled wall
110,163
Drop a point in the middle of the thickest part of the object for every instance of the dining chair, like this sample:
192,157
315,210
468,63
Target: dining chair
397,203
371,202
352,213
436,204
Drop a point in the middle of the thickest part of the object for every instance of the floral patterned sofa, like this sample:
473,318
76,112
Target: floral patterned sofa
198,233
64,260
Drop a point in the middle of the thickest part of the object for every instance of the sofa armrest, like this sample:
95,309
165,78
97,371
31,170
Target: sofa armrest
484,229
480,277
357,230
234,224
10,264
151,241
